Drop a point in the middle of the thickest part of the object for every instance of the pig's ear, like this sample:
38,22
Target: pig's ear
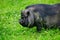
30,13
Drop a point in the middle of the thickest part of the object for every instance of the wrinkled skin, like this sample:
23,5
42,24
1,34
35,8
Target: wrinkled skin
40,14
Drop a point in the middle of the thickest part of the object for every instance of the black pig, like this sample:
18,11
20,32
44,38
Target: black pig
40,15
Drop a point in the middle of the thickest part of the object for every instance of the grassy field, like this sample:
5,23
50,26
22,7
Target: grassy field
10,29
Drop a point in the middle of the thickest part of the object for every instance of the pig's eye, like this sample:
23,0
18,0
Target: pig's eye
28,13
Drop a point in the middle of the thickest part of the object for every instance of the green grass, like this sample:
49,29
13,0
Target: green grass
10,29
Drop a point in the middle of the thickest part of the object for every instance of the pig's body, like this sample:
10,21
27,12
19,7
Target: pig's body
41,14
